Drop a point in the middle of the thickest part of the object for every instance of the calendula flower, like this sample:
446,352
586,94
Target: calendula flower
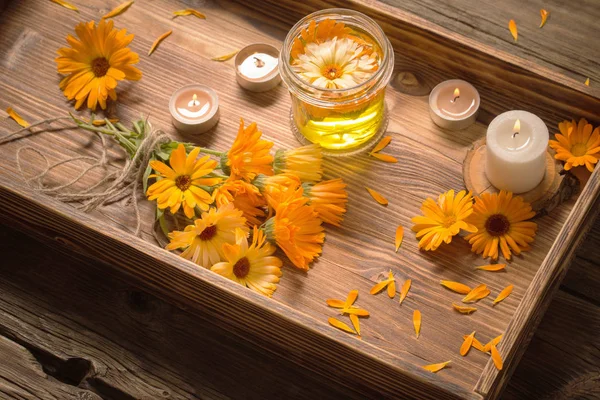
95,62
203,241
296,229
278,189
253,266
501,220
443,219
329,199
183,183
249,155
577,145
244,196
305,162
318,33
338,63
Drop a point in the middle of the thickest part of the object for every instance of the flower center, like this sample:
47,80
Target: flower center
497,225
241,267
100,66
579,149
208,233
448,221
183,182
332,71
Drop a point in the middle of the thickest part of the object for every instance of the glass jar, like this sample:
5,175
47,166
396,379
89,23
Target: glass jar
328,63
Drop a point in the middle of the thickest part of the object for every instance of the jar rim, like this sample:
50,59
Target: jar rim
382,74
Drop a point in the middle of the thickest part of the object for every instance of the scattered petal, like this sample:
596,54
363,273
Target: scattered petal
378,198
417,322
503,294
404,290
355,311
436,367
118,10
159,40
492,267
466,346
476,294
65,5
512,27
456,287
493,342
464,309
496,357
14,115
587,82
476,343
399,237
379,286
544,15
225,57
384,157
391,289
381,145
352,296
355,323
335,303
188,11
340,325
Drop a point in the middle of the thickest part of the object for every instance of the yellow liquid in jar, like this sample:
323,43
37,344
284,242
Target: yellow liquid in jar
340,129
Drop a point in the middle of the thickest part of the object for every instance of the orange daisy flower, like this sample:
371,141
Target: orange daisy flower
577,145
249,155
278,189
501,220
244,196
297,230
329,199
304,162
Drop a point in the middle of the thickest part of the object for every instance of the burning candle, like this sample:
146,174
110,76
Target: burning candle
194,109
257,67
454,104
516,146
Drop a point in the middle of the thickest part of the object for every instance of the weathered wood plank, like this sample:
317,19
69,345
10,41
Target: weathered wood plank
356,254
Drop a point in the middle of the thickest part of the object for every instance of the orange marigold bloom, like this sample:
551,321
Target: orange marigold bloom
501,220
244,196
304,162
329,199
95,61
577,145
296,228
249,155
278,189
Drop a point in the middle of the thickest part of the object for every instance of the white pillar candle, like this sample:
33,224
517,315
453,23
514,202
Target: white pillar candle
516,146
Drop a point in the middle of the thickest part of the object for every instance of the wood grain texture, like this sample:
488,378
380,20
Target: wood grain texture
388,358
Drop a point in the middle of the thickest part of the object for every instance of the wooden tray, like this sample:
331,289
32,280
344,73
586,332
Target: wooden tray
387,361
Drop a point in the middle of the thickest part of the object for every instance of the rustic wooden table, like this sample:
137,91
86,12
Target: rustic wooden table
71,327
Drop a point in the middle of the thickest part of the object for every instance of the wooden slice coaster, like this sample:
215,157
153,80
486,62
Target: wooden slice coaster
556,187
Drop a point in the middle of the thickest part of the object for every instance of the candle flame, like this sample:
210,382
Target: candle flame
516,128
456,95
195,100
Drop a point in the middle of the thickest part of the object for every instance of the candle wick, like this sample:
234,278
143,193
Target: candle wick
454,99
258,62
515,134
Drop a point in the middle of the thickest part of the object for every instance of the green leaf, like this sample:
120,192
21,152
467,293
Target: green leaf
163,225
146,175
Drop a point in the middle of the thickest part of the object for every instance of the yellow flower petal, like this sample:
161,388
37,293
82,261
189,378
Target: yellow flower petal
404,290
436,367
120,9
466,346
512,27
544,14
355,323
378,197
476,294
335,303
381,145
379,286
399,236
492,267
384,157
352,296
417,322
158,41
493,342
476,343
496,357
587,82
464,309
340,325
65,5
18,119
225,57
456,287
189,11
503,294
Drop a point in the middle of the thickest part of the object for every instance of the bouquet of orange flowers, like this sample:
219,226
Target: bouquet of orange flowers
279,199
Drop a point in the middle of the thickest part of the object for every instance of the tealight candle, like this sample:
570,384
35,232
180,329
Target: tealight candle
516,146
257,67
194,109
454,104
